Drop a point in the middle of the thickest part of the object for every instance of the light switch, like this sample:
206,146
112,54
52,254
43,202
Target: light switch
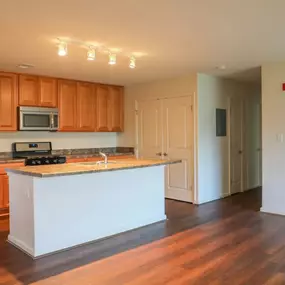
280,138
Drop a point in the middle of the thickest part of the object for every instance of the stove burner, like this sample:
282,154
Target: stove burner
44,160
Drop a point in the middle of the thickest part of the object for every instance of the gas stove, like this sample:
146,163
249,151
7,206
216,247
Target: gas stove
36,153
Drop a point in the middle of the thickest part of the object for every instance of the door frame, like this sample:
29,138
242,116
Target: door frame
243,134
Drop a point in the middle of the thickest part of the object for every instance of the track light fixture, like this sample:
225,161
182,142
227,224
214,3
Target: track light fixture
112,58
132,62
91,53
62,49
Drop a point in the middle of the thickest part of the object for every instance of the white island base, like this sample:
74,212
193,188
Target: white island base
51,214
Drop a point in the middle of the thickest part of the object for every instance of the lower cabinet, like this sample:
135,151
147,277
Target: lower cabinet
4,191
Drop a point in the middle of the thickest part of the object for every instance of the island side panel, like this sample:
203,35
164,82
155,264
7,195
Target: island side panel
21,212
72,210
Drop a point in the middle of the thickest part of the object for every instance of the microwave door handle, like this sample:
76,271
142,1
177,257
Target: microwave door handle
51,121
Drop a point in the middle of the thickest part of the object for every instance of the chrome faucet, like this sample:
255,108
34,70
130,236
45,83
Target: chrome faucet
104,156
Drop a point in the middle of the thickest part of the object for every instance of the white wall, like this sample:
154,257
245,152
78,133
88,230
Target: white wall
212,158
60,140
273,123
181,86
213,176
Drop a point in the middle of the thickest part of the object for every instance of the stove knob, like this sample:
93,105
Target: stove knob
46,161
38,162
54,161
33,162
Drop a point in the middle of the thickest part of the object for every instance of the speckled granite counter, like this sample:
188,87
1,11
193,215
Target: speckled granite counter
83,168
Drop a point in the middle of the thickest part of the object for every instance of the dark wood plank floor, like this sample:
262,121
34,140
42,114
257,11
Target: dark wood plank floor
223,242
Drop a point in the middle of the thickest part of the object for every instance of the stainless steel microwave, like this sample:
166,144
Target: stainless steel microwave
38,119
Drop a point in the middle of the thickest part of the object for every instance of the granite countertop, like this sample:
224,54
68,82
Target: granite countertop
10,159
84,168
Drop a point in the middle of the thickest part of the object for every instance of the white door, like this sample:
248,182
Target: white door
177,144
149,129
236,146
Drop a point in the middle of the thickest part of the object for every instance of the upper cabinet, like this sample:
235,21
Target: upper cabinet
67,90
109,108
8,102
85,107
116,106
47,92
28,90
37,91
102,109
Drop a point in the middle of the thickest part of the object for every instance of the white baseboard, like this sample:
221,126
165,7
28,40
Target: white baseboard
21,245
271,211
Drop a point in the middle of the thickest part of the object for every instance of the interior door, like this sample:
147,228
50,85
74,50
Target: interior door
177,144
236,145
149,129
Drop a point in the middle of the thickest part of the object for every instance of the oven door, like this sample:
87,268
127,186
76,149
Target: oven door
37,119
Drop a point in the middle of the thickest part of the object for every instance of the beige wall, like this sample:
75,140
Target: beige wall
60,140
273,128
182,86
212,163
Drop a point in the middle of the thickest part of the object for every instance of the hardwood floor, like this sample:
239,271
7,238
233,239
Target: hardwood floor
223,242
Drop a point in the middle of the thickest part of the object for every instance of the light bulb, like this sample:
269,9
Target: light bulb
62,49
91,54
132,62
112,59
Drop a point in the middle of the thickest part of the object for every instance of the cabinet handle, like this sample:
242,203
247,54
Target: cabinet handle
165,154
159,154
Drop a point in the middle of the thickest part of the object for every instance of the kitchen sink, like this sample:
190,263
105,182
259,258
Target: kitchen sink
98,162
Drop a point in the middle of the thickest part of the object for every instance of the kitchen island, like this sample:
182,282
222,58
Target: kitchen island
55,207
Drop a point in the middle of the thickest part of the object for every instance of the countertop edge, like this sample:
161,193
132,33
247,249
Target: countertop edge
88,171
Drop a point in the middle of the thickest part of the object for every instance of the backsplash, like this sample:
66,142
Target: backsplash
82,151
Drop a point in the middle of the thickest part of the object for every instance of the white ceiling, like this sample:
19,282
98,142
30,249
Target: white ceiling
172,37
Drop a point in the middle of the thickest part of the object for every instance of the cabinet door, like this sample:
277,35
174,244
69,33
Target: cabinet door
102,109
6,191
28,90
67,105
8,102
48,92
116,108
85,107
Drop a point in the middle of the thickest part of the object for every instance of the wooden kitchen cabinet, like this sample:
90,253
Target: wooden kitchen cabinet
67,104
102,109
116,105
28,90
85,107
47,92
8,102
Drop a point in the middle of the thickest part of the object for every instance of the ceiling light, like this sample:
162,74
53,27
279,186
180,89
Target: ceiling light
112,59
221,67
91,54
25,66
62,49
132,62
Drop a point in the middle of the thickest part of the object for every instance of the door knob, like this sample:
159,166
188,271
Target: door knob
240,152
159,154
165,154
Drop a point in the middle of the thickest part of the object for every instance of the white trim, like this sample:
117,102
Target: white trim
21,245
